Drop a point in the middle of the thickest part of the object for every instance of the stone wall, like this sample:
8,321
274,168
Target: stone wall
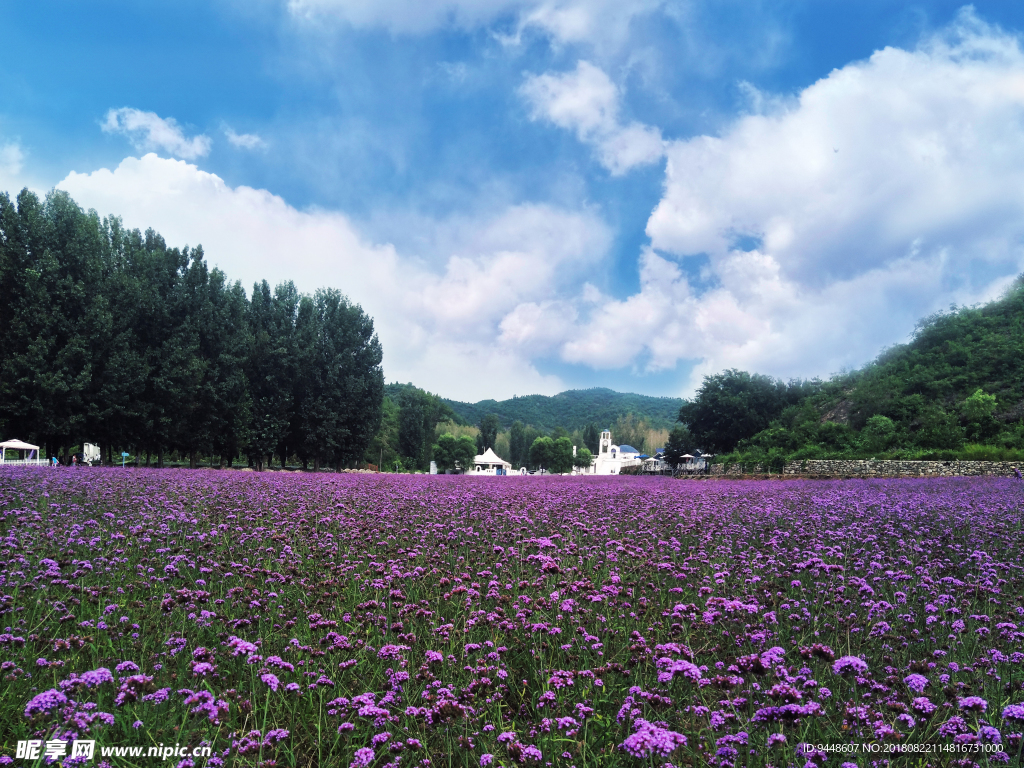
867,468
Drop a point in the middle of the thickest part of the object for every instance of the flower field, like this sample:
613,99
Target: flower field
294,620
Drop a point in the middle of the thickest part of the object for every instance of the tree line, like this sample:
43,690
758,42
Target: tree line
110,336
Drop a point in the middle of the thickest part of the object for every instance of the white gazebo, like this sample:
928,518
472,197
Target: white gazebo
490,463
21,447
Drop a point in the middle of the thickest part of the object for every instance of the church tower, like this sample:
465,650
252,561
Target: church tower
606,442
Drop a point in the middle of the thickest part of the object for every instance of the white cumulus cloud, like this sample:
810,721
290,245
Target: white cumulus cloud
440,326
587,101
826,224
805,236
149,131
244,140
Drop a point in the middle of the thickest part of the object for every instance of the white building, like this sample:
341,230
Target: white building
611,459
489,463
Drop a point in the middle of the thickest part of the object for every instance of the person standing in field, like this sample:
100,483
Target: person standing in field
1016,473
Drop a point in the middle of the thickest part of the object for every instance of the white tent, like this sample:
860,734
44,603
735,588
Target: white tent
18,445
489,460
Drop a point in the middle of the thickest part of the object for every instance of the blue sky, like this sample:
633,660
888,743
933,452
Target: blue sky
533,195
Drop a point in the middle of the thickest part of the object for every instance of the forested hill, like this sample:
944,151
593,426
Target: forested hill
956,390
573,409
951,356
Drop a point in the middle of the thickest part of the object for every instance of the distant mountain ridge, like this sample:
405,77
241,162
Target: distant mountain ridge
573,409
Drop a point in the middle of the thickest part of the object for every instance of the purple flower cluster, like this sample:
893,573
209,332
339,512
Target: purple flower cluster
850,664
916,683
45,703
649,739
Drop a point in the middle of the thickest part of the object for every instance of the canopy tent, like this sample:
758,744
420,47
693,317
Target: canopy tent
490,460
18,445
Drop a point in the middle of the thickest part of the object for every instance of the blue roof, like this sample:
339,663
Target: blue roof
627,449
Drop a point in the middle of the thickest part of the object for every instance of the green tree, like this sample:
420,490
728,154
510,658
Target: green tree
445,453
490,425
735,405
234,404
271,370
879,434
188,374
541,452
591,437
583,458
518,447
111,336
410,424
978,414
560,456
680,442
383,448
465,452
938,429
420,414
344,383
451,453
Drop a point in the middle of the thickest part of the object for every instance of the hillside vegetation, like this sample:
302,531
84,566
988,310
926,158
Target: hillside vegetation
956,390
573,409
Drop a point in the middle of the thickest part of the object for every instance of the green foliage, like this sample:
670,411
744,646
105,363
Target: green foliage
680,442
956,391
541,451
411,429
979,407
465,452
573,409
452,453
879,434
554,455
490,425
592,437
951,357
518,447
383,447
420,412
631,429
736,405
110,336
560,458
978,412
583,458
